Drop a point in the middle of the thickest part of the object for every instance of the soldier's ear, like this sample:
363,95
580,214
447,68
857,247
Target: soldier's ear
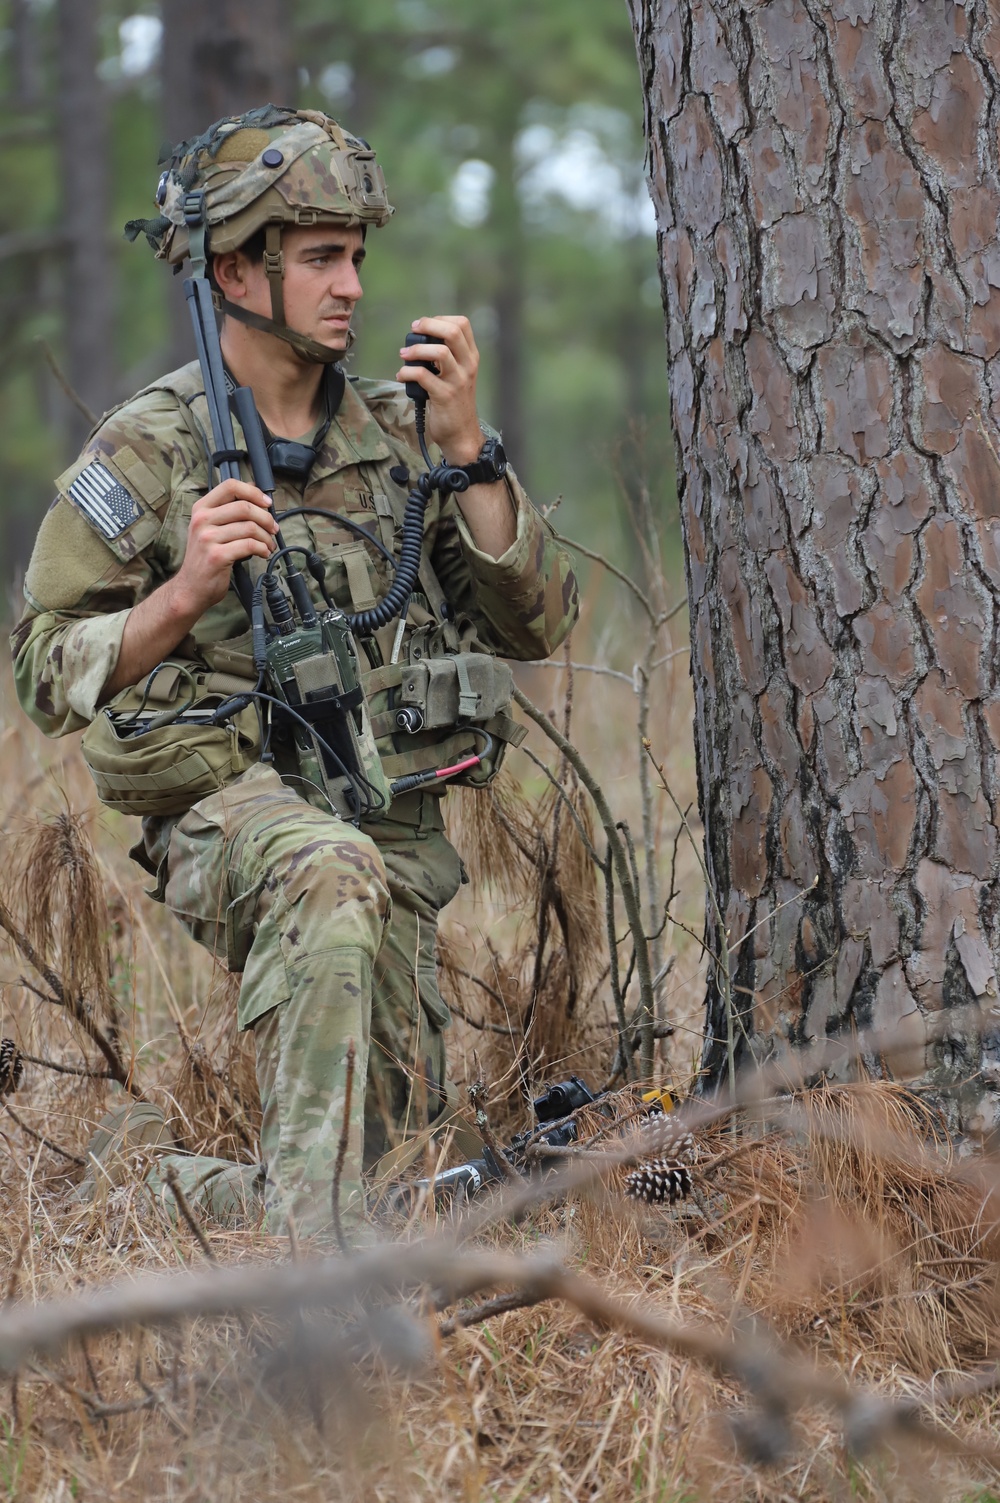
229,273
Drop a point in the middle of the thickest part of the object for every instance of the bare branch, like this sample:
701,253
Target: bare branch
630,896
626,579
74,1005
63,1153
482,1024
775,1377
64,382
187,1213
53,1064
560,790
499,1305
584,668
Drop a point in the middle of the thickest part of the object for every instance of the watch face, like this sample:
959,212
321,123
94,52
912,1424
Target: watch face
496,457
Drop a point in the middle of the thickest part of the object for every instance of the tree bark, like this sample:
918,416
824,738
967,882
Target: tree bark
827,189
84,175
221,59
218,58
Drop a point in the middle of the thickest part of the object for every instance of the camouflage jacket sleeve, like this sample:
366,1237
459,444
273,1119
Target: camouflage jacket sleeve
526,601
88,568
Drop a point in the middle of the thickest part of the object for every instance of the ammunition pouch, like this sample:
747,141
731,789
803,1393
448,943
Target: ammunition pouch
463,692
153,751
466,687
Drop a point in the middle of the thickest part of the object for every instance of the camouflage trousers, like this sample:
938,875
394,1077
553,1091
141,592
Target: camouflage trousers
333,930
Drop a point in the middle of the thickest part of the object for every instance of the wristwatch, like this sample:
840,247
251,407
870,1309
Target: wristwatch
489,465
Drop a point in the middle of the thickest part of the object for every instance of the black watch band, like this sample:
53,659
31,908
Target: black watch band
489,465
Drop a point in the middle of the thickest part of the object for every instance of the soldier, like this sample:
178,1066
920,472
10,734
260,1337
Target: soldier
331,922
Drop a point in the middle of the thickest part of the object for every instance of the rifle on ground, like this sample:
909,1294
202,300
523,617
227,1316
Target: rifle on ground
663,1177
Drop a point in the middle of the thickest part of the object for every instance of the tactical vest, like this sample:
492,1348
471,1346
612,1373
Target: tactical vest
436,668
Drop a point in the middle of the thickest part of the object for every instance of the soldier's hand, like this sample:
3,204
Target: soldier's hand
452,420
232,522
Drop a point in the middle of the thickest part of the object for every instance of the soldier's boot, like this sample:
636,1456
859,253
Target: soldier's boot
134,1139
125,1135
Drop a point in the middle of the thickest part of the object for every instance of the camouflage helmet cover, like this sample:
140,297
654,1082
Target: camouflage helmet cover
271,166
264,170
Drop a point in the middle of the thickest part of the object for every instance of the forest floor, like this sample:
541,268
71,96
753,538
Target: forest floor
802,1325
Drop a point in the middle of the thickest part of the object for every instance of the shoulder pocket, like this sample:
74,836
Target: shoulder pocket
116,494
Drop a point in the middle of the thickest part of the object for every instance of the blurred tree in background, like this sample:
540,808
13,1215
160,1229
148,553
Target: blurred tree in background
511,139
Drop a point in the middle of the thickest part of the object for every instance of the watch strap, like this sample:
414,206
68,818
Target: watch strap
485,470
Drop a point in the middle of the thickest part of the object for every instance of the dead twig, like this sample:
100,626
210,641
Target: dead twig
475,1316
775,1377
186,1212
477,1098
53,1064
41,1138
623,869
482,1024
63,380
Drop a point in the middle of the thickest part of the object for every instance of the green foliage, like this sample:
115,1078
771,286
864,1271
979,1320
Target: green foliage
542,100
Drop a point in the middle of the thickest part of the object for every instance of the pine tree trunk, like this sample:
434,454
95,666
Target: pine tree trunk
84,176
827,191
219,57
25,55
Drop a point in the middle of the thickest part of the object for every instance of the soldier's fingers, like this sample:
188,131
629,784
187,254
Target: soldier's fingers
232,553
433,385
232,490
452,329
234,531
450,359
244,509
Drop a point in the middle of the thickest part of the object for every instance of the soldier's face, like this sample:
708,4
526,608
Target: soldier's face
321,283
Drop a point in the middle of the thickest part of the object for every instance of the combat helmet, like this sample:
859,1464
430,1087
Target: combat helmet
259,171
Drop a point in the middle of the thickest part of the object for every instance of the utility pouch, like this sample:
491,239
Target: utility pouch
437,703
462,687
153,750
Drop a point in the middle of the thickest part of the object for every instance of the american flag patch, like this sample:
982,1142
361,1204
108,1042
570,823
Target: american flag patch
104,500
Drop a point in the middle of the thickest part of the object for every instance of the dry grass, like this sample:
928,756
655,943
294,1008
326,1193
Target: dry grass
835,1249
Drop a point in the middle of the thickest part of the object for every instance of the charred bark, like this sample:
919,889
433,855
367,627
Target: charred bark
827,186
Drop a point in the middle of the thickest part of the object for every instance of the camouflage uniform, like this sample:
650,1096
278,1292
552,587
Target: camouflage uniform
332,927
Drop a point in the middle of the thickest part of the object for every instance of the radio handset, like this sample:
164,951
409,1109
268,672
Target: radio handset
414,390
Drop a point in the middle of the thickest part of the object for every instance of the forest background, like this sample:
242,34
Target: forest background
511,140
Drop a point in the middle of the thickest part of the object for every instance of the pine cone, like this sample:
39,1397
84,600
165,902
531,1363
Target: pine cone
11,1067
658,1182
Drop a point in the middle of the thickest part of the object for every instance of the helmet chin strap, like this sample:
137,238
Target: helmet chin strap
310,350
